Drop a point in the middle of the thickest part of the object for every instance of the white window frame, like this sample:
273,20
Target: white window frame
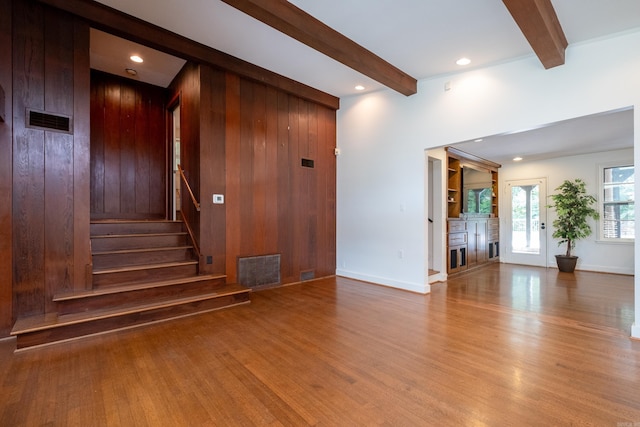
601,237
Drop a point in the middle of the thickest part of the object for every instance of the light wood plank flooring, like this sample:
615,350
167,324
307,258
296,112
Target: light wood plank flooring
502,346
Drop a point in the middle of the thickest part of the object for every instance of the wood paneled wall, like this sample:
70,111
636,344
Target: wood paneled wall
6,147
274,204
248,145
240,138
50,184
186,86
128,148
211,156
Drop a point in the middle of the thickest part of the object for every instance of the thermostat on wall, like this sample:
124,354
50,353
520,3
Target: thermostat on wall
218,199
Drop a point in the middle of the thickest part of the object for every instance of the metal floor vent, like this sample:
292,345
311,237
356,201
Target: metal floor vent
48,121
259,271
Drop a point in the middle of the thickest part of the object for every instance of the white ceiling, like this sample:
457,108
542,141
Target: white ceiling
423,38
607,131
111,54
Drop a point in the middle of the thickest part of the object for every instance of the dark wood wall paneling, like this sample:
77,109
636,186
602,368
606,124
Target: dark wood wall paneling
240,138
6,177
186,85
212,168
81,156
274,205
128,149
50,69
248,145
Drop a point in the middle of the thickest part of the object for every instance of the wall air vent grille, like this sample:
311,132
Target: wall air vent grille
261,271
307,275
48,121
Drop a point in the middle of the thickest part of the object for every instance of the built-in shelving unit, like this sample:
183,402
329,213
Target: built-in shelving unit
494,192
454,189
473,238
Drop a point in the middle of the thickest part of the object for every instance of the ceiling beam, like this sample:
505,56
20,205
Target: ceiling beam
296,23
540,25
131,28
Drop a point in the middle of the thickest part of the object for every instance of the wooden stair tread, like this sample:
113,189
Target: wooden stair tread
135,286
133,221
120,236
52,320
141,250
143,267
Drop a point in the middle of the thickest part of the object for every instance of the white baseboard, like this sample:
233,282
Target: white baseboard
413,287
635,331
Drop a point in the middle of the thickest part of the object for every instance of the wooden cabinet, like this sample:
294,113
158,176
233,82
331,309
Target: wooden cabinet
471,242
493,239
456,246
477,242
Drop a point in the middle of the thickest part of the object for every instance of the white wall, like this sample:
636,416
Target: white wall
382,136
594,255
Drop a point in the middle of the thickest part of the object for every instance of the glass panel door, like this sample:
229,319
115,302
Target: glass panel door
526,217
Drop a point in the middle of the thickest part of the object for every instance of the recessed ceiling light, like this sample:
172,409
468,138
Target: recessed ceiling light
517,159
359,87
477,140
131,71
136,58
463,61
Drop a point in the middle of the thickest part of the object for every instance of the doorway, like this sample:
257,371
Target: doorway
175,162
526,219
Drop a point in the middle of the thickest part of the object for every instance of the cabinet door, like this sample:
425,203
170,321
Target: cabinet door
493,238
472,244
457,259
481,241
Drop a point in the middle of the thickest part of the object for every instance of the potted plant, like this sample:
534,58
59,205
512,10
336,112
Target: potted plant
573,207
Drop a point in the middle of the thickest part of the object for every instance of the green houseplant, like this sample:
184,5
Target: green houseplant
573,207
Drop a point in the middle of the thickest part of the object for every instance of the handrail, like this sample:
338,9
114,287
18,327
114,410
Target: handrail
192,236
186,183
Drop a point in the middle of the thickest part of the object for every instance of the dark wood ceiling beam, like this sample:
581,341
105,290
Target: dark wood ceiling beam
131,28
539,23
296,23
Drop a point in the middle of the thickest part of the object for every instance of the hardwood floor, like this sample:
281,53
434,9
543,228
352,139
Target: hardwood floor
502,346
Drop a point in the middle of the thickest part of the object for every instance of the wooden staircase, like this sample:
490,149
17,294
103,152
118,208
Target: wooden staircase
143,272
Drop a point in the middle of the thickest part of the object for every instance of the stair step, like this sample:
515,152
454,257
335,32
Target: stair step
144,273
106,227
126,257
125,295
126,268
39,330
125,235
139,250
126,287
114,242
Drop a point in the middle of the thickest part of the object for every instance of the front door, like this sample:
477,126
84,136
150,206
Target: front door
526,219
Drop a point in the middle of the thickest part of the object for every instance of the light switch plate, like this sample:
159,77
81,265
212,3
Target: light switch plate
218,199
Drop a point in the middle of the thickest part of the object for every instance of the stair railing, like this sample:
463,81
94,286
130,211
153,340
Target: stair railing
185,218
186,184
